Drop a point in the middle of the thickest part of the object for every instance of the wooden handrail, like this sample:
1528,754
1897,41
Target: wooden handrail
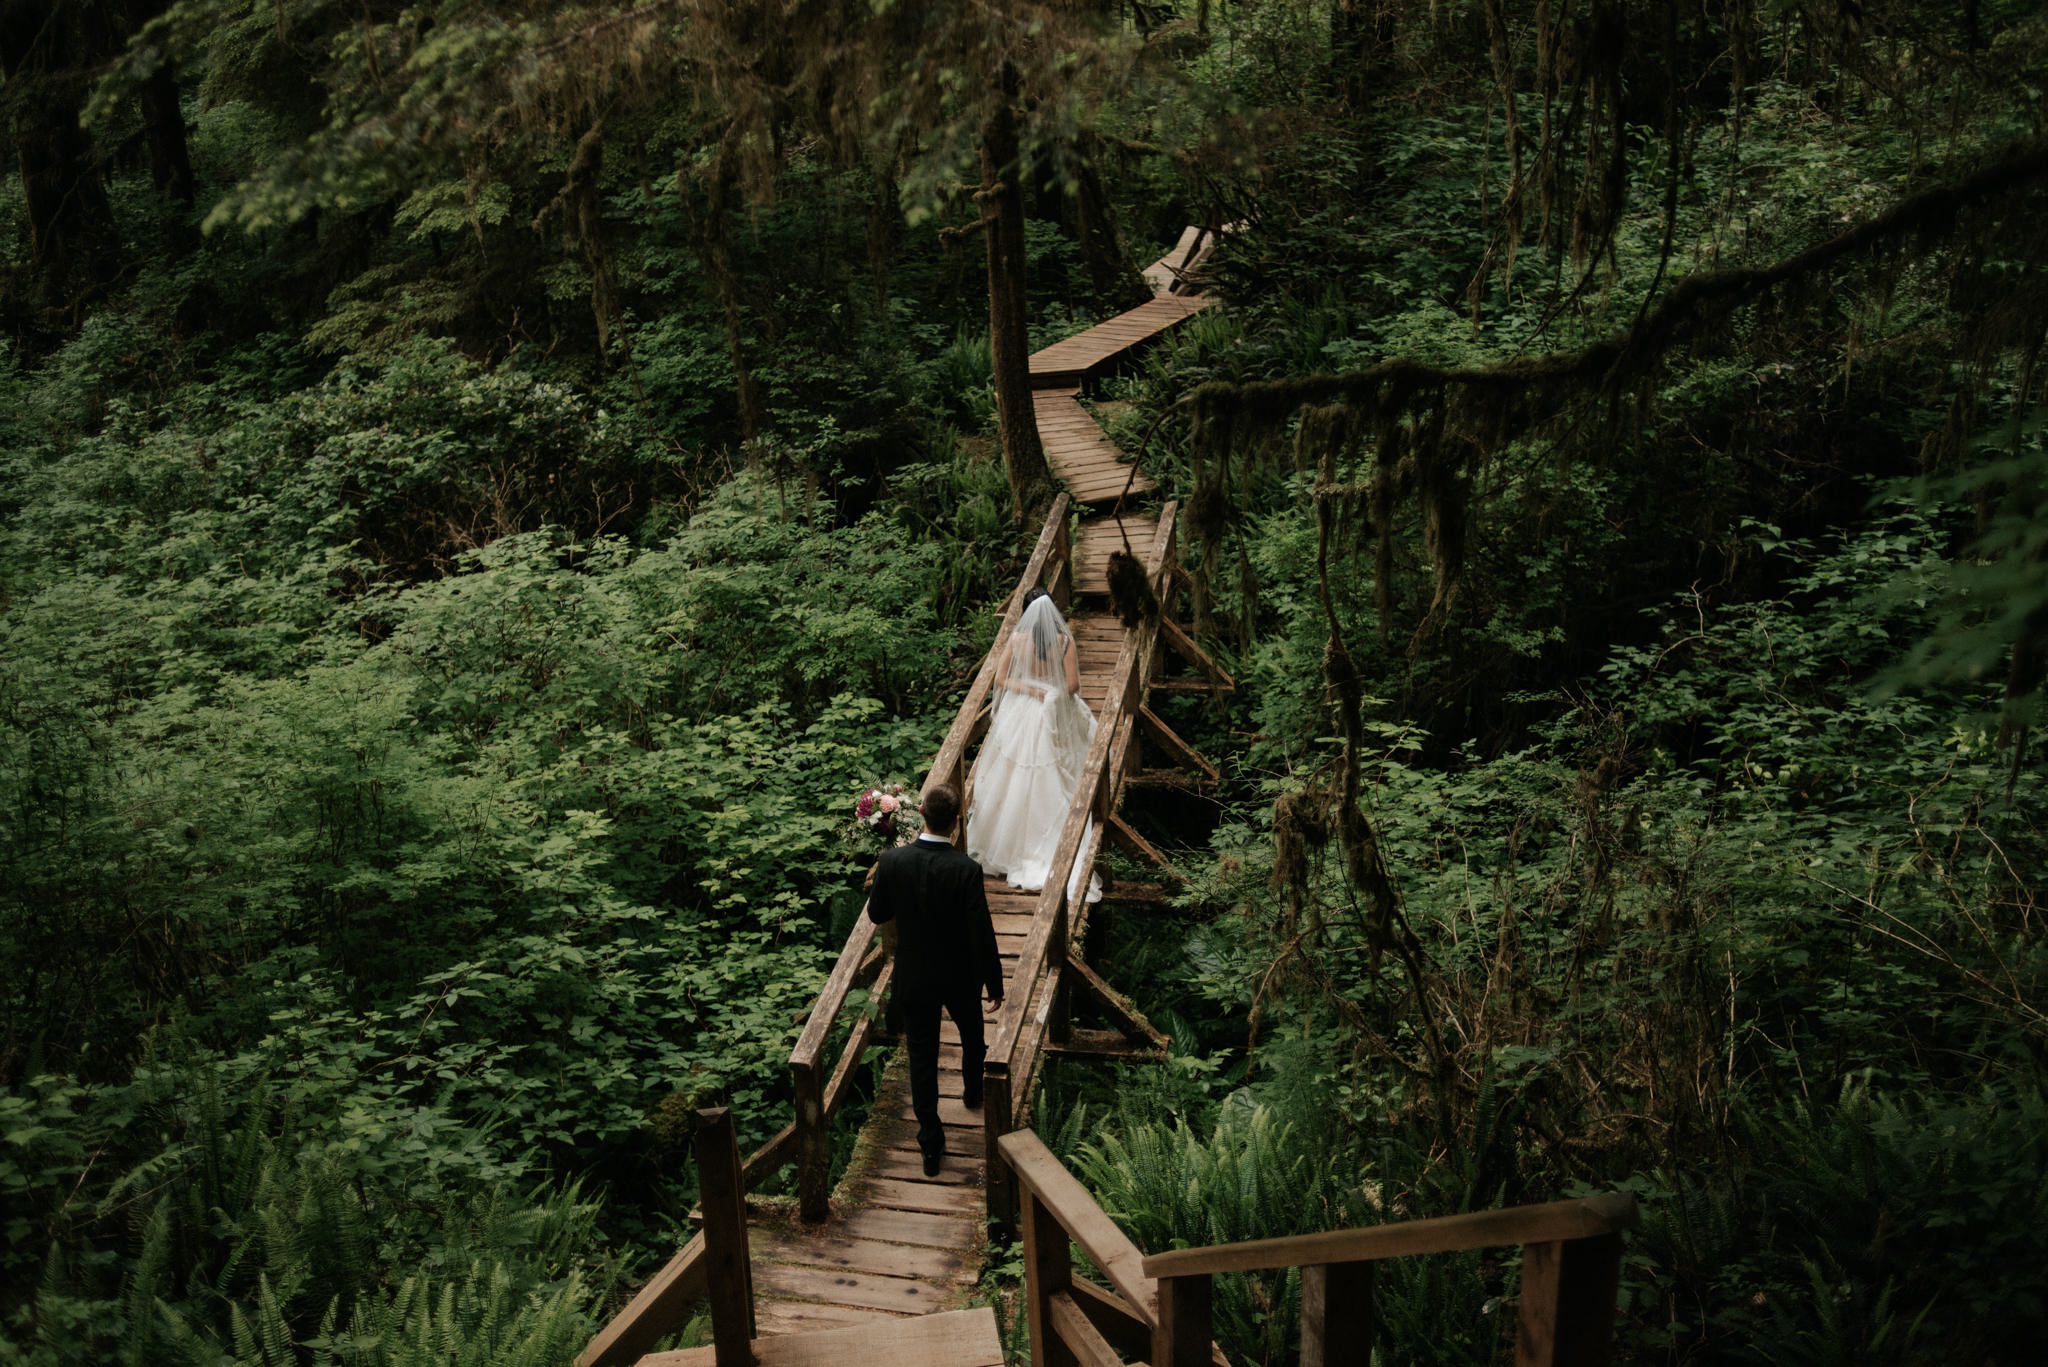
1571,1258
1040,1172
810,1045
1585,1218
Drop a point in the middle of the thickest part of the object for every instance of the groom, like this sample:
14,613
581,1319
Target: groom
945,956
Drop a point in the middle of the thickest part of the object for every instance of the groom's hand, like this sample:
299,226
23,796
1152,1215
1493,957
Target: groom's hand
992,1007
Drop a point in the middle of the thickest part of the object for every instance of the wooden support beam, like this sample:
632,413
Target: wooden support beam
1115,1318
1109,1044
1336,1314
1186,686
1184,646
1176,749
729,1273
1180,1338
1127,1017
1128,840
1048,1266
1170,778
1566,1316
1080,1341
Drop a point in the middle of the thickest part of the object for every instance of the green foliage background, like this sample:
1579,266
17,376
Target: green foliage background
430,697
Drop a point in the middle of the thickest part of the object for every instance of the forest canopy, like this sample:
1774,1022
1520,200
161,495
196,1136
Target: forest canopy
483,485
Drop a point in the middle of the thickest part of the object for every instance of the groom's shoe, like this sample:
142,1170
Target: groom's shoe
931,1162
970,1097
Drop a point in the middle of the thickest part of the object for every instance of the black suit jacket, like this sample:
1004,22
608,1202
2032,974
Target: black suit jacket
945,941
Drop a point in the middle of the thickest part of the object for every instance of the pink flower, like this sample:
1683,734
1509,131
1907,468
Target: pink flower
889,804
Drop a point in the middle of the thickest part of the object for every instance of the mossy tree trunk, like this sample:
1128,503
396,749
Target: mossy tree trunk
1002,215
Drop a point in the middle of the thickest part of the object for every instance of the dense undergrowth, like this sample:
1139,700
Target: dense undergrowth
431,689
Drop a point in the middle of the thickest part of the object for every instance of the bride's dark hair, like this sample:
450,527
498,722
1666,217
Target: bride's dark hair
1032,595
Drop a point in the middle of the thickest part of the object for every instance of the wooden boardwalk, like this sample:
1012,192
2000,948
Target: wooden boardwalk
1071,362
895,1246
1084,459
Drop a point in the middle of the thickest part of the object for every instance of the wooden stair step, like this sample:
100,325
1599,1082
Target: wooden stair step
833,1251
861,1290
953,1338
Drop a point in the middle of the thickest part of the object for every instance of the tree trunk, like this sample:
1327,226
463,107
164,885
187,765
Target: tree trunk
715,250
1002,213
163,127
71,224
1113,278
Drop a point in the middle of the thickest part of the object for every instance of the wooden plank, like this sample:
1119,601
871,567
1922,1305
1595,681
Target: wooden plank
901,1260
925,1198
1086,1343
1043,1175
906,1227
1583,1218
862,1290
952,1114
793,1318
953,1338
959,1170
659,1309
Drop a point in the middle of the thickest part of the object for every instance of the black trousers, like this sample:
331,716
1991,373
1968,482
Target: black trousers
921,1037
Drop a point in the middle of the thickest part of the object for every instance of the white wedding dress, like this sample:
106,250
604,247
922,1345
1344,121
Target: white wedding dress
1032,757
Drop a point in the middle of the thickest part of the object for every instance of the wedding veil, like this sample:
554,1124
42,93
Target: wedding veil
1038,650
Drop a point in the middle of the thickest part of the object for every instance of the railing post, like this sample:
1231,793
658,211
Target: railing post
813,1144
1181,1338
1061,587
999,1184
1336,1314
1566,1318
1048,1268
730,1273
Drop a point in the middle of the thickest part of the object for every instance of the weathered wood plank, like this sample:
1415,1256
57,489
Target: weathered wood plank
923,1198
865,1255
907,1227
1584,1218
793,1318
862,1290
955,1338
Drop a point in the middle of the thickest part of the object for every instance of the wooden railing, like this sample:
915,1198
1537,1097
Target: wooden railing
663,1304
1158,1307
1034,1008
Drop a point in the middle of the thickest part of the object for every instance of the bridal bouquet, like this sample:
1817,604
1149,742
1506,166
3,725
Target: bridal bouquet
887,811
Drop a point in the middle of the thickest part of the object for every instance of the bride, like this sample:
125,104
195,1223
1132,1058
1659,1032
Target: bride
1037,744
